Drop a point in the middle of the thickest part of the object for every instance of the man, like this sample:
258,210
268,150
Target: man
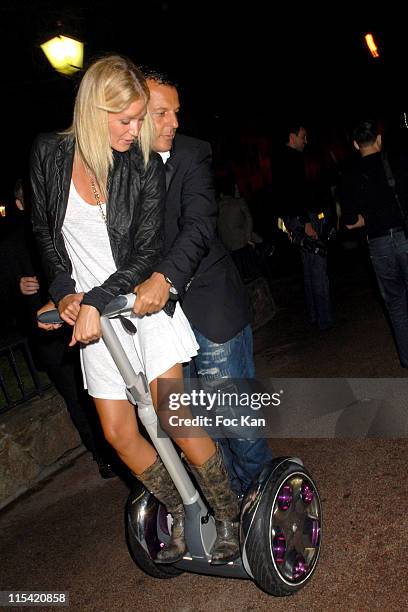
304,221
199,267
375,195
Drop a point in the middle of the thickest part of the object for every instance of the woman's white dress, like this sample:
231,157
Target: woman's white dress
160,342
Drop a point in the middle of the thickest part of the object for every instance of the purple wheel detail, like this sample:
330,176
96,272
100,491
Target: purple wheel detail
315,533
279,548
285,497
307,493
299,568
163,520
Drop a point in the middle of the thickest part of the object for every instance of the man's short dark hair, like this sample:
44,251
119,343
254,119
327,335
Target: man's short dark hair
365,132
293,128
160,77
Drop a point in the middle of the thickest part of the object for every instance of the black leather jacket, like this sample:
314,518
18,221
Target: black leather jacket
135,214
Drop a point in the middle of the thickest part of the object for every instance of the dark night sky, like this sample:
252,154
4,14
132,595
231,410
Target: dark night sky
239,70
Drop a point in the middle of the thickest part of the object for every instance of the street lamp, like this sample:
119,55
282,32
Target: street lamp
370,42
65,54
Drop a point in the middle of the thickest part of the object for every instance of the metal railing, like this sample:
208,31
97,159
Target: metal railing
19,378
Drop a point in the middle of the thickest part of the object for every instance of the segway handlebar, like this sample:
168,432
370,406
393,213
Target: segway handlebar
120,304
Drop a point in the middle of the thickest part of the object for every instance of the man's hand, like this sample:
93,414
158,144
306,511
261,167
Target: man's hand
47,326
29,285
309,231
359,223
69,307
151,295
87,326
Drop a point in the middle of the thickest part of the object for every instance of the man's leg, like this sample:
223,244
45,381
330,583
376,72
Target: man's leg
243,458
321,292
307,261
387,258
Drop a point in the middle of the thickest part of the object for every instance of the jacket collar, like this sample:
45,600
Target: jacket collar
64,160
169,168
171,164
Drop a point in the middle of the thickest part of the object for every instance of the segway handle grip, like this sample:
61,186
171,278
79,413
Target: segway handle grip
119,304
51,316
125,303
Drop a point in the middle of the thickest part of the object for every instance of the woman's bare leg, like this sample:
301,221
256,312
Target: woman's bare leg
207,465
120,427
119,424
199,447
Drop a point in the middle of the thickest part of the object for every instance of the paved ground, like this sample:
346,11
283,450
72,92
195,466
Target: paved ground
69,533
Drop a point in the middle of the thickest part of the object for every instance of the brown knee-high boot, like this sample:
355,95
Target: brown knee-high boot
213,480
157,480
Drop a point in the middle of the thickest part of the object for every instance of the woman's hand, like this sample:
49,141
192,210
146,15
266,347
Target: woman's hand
47,326
87,326
69,306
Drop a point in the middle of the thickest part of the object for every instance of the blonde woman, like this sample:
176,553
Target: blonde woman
98,196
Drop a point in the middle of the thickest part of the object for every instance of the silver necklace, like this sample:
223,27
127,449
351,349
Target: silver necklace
98,199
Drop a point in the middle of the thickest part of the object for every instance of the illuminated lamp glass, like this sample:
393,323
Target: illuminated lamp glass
65,54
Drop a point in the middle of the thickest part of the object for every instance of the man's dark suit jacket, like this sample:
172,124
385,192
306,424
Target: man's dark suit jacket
213,296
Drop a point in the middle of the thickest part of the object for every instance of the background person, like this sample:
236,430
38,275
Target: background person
297,211
26,293
375,193
235,229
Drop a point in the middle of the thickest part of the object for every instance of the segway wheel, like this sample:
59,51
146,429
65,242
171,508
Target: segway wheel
146,522
283,544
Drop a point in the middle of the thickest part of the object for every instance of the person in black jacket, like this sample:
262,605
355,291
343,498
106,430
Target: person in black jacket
198,265
370,201
27,292
301,218
98,216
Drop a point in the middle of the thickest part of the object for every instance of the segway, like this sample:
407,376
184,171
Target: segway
281,514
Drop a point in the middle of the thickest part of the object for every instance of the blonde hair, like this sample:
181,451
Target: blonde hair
108,86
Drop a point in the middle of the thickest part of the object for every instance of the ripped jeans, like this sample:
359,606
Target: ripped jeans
243,458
